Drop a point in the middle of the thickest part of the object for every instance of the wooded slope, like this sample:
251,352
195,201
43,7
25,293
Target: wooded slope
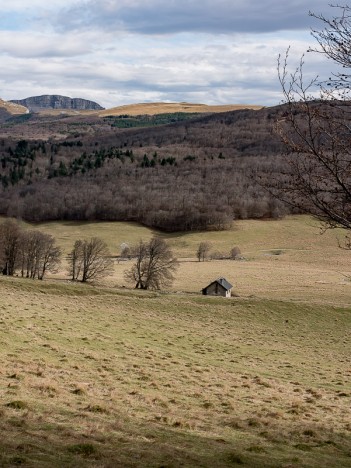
191,174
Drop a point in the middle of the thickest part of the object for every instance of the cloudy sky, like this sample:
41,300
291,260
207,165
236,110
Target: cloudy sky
118,52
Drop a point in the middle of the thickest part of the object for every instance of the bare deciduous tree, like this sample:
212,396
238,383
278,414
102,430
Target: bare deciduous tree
203,251
154,266
50,255
89,260
38,254
34,252
10,234
75,260
317,131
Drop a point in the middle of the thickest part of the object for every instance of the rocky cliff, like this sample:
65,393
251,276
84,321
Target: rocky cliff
37,103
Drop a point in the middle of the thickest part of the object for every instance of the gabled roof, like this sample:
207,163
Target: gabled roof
223,282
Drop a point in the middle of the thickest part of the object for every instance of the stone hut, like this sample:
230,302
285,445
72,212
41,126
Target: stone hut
219,287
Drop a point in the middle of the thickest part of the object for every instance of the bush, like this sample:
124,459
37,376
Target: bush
86,449
218,255
235,253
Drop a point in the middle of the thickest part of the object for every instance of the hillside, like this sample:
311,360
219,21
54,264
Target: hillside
92,377
12,108
189,175
154,108
103,375
283,258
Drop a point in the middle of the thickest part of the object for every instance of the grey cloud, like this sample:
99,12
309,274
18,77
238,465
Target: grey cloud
32,45
206,16
129,68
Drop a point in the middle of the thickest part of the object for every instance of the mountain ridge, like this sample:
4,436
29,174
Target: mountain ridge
57,102
54,104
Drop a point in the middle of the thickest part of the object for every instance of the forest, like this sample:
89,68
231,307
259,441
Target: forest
199,173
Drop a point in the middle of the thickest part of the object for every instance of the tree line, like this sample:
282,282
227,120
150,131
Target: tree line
203,195
32,254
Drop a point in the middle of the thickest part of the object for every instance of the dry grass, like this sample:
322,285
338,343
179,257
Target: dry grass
98,377
73,112
286,259
13,108
154,108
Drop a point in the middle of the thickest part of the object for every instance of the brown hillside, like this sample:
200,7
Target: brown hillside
154,108
66,112
190,175
12,108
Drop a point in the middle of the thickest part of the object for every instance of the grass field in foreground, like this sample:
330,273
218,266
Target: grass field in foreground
104,376
95,377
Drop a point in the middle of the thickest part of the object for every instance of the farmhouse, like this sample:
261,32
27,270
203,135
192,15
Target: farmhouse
219,287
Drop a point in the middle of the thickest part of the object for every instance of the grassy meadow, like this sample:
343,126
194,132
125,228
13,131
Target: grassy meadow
154,108
285,260
106,376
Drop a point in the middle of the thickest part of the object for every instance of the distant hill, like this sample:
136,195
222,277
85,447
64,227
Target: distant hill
57,102
12,108
154,108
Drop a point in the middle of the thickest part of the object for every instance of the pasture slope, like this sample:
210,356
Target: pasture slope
154,108
107,376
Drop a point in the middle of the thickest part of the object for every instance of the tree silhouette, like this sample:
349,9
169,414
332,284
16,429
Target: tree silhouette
203,251
10,235
317,130
89,260
154,265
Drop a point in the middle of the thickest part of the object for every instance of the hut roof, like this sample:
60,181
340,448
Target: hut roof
223,282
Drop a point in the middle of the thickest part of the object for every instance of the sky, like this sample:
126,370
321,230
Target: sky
118,52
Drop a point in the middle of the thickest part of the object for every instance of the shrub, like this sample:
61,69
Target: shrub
17,404
85,449
235,253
